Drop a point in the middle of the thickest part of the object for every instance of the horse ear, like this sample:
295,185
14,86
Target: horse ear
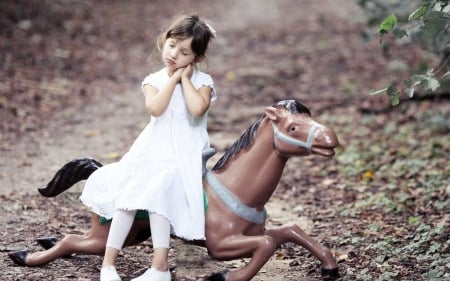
272,113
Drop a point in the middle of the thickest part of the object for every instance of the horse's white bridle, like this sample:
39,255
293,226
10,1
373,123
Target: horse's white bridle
279,136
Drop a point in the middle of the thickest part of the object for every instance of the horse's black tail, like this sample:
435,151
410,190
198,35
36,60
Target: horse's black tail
71,173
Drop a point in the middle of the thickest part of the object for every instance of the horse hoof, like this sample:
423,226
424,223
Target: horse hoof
47,242
330,273
219,276
19,257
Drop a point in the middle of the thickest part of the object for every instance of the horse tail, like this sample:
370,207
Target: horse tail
71,173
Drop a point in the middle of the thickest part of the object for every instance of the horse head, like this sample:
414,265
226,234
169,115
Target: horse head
252,167
296,133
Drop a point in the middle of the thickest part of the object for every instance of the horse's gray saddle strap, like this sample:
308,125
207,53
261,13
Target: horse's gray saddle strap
233,203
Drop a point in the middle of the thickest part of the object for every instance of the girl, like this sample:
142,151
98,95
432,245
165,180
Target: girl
162,171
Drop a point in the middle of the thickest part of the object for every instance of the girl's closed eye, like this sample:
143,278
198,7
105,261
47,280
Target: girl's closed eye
185,51
172,43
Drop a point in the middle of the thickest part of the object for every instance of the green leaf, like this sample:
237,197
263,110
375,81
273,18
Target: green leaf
433,24
419,13
434,248
392,91
394,94
409,88
409,92
432,84
387,24
427,81
400,33
395,100
413,220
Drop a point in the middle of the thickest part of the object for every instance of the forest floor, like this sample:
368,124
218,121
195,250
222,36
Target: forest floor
70,87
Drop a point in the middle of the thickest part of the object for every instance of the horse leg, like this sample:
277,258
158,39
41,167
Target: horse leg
93,242
139,232
293,233
259,248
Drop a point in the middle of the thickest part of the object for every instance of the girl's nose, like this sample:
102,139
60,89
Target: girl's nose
173,53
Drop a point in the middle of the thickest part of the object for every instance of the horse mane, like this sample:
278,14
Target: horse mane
247,137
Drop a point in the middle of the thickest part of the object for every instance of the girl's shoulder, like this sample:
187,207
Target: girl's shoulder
160,74
156,79
202,74
202,77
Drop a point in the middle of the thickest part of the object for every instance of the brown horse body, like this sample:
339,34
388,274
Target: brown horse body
237,189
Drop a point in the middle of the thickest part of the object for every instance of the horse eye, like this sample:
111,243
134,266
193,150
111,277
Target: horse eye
293,129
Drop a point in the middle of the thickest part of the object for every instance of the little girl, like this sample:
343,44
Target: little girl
162,171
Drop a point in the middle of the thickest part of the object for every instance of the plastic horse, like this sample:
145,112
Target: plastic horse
236,188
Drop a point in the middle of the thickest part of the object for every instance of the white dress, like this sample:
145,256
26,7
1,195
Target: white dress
162,171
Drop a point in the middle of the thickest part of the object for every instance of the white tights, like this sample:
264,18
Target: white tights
121,225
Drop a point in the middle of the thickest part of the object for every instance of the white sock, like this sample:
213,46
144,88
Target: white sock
120,227
160,228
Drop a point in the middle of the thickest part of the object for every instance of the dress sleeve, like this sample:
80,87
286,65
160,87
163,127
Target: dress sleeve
153,79
204,79
147,81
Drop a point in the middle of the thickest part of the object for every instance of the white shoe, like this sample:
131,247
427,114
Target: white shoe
153,275
109,273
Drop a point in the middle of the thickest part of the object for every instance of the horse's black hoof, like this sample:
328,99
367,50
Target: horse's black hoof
47,242
330,273
219,276
19,257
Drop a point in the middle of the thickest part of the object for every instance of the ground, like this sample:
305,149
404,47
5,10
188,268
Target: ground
71,87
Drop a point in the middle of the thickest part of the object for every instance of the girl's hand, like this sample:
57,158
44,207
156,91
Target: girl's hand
177,74
187,72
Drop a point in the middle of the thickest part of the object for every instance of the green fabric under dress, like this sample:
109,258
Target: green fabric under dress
143,214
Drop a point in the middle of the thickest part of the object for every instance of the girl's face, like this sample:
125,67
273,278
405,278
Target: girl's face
177,53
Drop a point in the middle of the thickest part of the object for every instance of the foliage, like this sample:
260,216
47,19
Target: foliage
399,176
426,244
427,25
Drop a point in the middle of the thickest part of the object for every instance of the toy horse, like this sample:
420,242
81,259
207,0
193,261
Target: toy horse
236,188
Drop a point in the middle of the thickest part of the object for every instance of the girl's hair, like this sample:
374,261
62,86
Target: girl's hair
186,27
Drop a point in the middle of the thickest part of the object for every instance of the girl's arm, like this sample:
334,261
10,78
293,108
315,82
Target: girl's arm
197,101
156,101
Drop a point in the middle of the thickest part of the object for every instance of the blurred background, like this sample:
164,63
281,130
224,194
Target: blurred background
70,87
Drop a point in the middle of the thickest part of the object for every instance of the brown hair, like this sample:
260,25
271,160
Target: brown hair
187,27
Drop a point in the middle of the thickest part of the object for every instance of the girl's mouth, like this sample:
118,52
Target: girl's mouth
170,62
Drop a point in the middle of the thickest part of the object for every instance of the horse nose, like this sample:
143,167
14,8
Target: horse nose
326,137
